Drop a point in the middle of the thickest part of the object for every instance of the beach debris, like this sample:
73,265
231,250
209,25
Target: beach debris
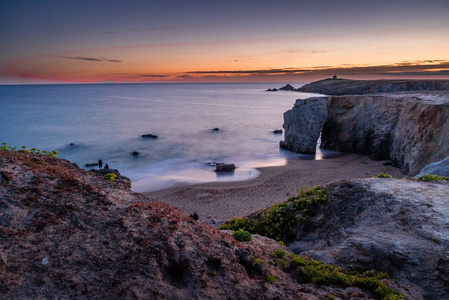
222,167
149,135
277,131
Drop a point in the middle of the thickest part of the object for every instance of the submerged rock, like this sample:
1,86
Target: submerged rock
149,135
277,131
222,167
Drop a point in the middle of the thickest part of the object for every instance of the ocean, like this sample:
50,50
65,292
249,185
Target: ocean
87,122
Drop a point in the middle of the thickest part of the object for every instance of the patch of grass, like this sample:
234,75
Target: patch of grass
256,260
269,278
431,177
277,220
383,175
278,253
435,240
242,235
213,274
110,176
313,271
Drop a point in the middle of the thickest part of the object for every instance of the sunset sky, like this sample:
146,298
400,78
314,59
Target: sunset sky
58,41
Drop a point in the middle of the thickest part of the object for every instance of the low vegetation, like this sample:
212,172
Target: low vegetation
6,147
383,175
313,271
431,177
242,235
277,220
110,176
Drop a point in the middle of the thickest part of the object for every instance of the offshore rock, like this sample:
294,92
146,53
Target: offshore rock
222,167
440,168
399,226
303,124
287,87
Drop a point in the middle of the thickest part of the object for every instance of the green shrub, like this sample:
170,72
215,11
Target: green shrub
242,235
110,176
269,278
256,260
431,177
277,220
383,175
278,253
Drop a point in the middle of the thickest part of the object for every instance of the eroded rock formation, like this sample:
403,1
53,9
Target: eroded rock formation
411,129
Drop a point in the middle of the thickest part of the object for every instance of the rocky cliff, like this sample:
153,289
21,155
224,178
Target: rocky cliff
399,226
361,87
69,233
410,128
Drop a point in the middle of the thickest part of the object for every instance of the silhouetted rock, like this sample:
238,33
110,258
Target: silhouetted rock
272,90
277,131
135,153
222,167
152,136
215,129
287,87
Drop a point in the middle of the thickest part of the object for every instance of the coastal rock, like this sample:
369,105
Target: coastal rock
215,129
222,167
409,128
68,233
440,168
277,131
287,87
303,124
361,87
135,153
272,90
149,135
398,226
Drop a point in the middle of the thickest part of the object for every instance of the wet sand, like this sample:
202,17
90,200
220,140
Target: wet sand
219,201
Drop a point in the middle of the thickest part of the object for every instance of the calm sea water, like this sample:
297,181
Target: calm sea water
87,122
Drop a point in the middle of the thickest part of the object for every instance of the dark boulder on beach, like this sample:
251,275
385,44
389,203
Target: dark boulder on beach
149,135
222,167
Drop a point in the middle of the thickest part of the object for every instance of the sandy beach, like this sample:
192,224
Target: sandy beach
219,201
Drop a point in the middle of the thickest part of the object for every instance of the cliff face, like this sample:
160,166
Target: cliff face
69,233
411,129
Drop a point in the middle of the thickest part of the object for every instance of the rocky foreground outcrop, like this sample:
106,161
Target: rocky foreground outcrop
399,226
69,233
409,128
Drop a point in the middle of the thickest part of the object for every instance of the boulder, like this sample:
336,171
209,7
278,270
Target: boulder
149,135
222,167
135,153
272,90
215,129
277,131
440,168
303,124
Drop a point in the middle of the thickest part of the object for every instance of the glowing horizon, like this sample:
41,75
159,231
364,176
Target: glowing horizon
219,46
